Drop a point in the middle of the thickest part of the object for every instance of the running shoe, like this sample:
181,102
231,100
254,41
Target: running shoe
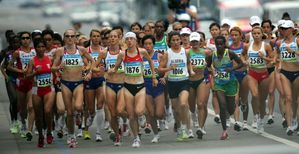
217,119
80,133
190,134
28,136
41,142
245,126
270,120
89,121
99,137
156,138
199,133
73,143
106,125
224,135
86,135
112,136
15,128
289,131
147,128
50,138
237,127
182,136
60,133
136,143
228,123
117,140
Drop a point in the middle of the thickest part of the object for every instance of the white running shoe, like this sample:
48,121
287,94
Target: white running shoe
190,133
136,143
289,131
80,133
227,123
99,137
156,138
106,125
245,126
254,123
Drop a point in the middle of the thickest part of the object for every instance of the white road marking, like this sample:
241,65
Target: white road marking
265,134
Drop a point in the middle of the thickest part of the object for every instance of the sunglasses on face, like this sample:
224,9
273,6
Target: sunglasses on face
69,36
25,38
178,29
282,28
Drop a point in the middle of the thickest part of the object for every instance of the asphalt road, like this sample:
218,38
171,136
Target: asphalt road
273,141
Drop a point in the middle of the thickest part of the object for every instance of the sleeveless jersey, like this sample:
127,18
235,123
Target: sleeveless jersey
161,45
44,77
110,61
24,58
255,61
180,73
133,65
237,51
220,65
147,72
72,60
198,59
288,56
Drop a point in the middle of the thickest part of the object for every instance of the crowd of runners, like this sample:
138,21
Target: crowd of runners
141,80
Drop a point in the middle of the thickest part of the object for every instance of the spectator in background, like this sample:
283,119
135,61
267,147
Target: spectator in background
136,27
177,8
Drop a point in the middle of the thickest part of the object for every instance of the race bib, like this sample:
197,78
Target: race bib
288,56
222,75
72,60
178,71
44,80
198,61
256,61
147,70
110,63
94,56
133,68
25,59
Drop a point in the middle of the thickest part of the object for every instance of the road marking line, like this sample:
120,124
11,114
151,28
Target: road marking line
265,134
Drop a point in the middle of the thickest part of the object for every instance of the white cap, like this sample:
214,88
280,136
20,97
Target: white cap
183,17
288,24
185,30
130,34
194,36
226,21
255,20
37,31
280,22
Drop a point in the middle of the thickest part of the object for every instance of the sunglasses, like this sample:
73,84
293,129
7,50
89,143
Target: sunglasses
282,28
70,36
179,29
25,38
